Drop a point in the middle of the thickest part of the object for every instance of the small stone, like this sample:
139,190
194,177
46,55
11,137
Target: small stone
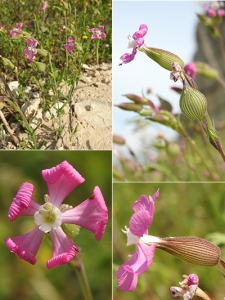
13,85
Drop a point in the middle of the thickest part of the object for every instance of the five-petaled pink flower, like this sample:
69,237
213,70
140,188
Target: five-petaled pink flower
44,6
135,42
215,8
70,46
190,69
91,214
97,33
16,31
30,52
137,234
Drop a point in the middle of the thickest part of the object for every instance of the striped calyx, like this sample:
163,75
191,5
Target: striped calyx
162,57
193,103
191,249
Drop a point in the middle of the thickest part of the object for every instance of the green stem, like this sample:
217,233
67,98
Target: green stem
97,55
202,294
221,47
221,82
78,266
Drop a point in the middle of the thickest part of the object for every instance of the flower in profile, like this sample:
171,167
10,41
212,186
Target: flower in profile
188,287
31,51
91,214
135,42
44,6
70,46
215,8
140,221
190,69
97,33
17,30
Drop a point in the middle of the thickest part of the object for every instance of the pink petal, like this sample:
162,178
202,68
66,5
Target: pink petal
190,69
93,30
26,246
22,204
127,274
32,43
91,214
143,29
70,39
140,222
101,27
61,180
63,249
128,57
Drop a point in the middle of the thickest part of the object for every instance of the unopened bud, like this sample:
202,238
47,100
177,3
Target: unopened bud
191,249
42,52
130,106
39,66
193,103
162,57
7,63
137,99
206,71
118,140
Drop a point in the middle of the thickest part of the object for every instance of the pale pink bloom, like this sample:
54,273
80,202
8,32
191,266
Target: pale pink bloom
91,214
44,6
30,52
16,31
135,42
98,33
140,221
190,69
188,287
175,73
214,8
63,27
70,46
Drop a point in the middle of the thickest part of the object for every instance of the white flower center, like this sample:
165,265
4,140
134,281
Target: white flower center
131,238
48,216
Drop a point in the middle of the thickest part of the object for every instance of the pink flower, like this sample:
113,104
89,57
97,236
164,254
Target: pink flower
30,52
63,27
190,69
98,33
91,214
135,42
70,46
44,6
188,287
215,8
140,221
17,30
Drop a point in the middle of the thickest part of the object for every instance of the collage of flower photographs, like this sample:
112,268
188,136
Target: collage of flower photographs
112,150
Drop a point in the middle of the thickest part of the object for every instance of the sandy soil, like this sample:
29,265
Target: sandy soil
87,119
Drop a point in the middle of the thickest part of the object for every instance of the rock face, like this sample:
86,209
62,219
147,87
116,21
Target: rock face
209,52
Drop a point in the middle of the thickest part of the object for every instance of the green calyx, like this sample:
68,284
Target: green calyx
193,103
162,57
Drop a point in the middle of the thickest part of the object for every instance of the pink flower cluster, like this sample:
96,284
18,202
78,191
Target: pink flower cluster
140,221
70,46
97,33
135,42
17,30
91,214
30,52
215,8
44,6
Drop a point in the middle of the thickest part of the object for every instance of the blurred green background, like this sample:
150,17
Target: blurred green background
19,279
182,209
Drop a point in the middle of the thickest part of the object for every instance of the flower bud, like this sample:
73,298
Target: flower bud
206,71
130,106
39,66
42,52
118,140
191,249
193,104
162,57
7,63
136,99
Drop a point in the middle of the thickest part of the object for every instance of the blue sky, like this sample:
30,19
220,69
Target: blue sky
172,27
